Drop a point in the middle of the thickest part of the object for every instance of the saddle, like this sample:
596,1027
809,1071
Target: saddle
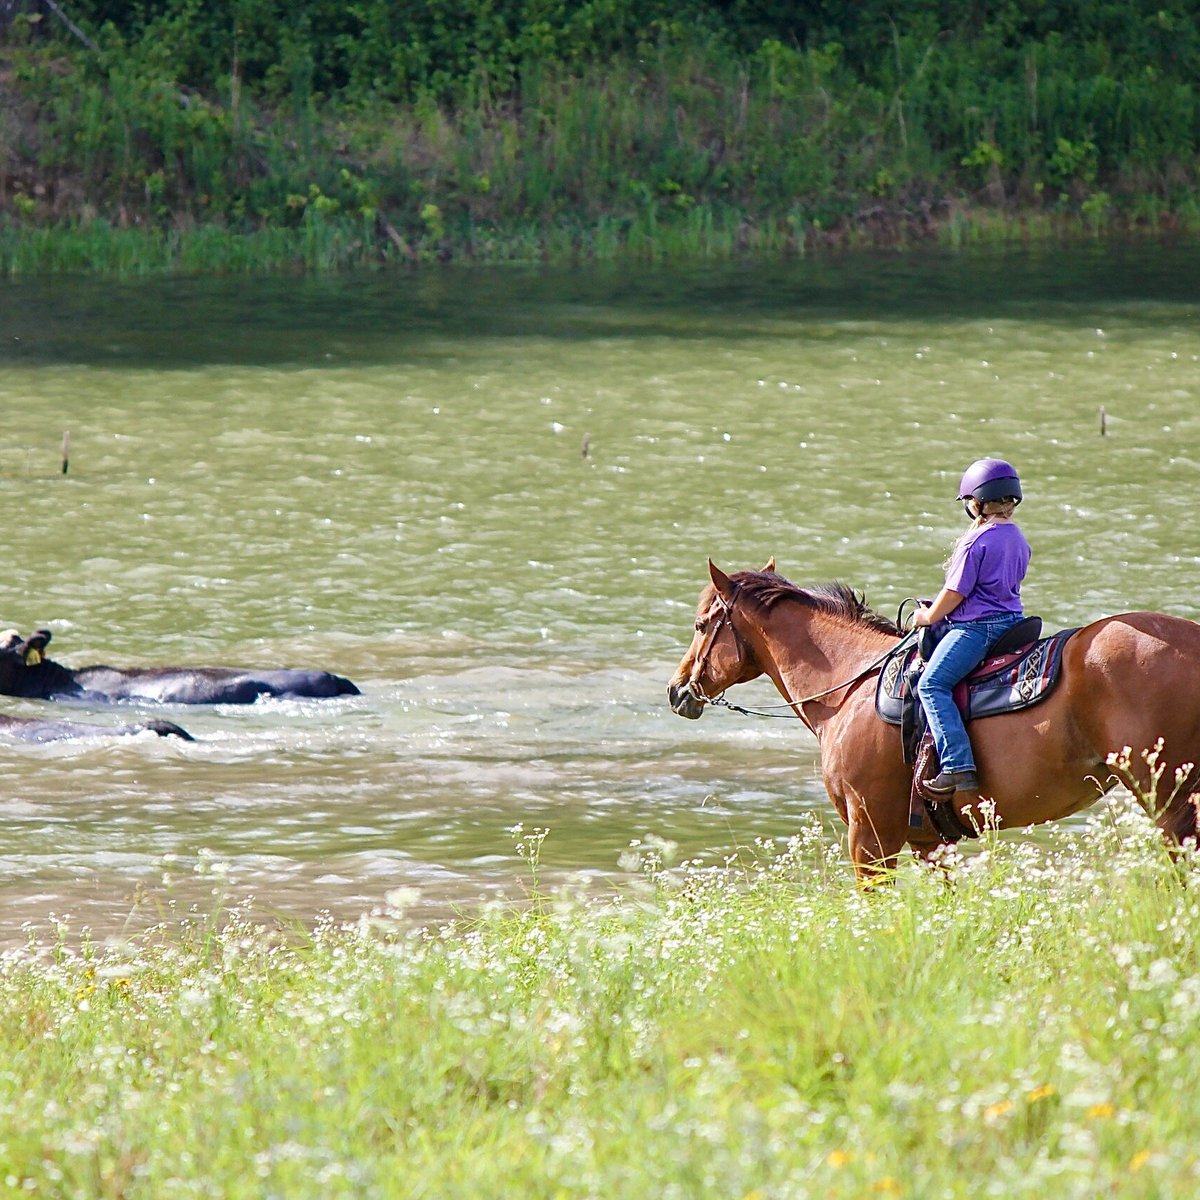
1020,670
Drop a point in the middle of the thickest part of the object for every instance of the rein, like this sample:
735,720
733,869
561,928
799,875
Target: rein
761,711
796,707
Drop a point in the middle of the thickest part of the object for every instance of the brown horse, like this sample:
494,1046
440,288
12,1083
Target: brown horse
1127,681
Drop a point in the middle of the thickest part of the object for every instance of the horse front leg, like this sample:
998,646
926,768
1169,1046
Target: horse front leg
875,840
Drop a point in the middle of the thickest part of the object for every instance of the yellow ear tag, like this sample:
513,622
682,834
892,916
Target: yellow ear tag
33,658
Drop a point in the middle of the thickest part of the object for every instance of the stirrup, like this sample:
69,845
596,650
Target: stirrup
944,784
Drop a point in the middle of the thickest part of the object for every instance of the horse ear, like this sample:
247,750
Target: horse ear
770,564
721,581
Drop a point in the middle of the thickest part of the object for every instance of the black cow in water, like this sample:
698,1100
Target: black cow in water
26,671
33,729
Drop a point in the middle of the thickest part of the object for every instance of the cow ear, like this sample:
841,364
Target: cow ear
721,581
35,646
10,639
770,564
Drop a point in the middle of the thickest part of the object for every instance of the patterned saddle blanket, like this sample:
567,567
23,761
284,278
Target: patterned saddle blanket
998,685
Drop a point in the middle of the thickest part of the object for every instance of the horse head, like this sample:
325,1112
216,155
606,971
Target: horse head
718,657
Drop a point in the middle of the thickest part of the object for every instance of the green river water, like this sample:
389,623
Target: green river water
384,476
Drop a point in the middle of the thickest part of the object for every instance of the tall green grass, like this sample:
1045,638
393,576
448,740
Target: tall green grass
1022,1024
704,234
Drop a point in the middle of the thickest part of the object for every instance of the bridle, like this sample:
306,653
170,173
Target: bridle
710,640
796,706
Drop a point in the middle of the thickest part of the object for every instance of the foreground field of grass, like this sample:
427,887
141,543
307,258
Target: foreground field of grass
762,1028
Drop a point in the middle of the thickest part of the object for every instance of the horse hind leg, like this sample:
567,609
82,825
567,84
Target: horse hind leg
1170,797
1179,817
1180,821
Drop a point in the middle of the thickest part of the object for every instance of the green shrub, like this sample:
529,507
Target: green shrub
580,123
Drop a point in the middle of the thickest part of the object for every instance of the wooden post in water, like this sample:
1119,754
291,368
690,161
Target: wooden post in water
1103,421
66,450
587,444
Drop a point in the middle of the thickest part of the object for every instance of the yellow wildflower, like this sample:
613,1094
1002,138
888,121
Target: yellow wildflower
838,1158
1101,1110
1041,1093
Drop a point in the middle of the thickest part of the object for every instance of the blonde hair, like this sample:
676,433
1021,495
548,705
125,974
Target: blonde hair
986,511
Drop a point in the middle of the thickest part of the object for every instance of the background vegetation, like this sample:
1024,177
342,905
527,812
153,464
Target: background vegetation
245,132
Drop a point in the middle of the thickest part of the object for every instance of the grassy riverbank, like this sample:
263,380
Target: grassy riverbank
330,244
221,138
764,1030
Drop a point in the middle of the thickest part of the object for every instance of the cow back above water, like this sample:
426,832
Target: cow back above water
26,671
35,729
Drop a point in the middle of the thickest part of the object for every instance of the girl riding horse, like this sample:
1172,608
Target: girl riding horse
981,599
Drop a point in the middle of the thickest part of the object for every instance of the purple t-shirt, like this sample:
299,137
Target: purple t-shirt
987,568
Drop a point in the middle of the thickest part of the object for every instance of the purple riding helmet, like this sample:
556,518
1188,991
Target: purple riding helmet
989,479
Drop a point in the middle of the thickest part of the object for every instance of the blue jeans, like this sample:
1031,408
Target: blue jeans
958,653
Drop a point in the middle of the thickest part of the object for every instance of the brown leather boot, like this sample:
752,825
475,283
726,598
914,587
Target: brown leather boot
944,784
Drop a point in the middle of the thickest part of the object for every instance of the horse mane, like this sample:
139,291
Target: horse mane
835,599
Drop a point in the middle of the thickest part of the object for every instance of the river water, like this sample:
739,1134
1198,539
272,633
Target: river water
385,476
